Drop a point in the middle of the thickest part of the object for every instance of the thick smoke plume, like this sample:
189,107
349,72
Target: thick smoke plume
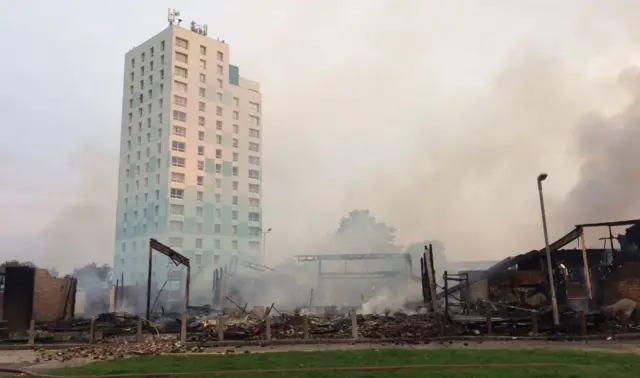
609,151
430,154
82,232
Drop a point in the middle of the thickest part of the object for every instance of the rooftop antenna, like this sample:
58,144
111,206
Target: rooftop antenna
172,15
200,29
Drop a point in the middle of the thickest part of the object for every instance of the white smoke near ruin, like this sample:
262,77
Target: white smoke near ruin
82,232
387,300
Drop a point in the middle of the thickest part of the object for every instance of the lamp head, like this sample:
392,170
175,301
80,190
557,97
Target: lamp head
542,177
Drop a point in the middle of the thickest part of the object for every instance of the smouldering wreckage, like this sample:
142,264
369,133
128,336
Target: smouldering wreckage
510,298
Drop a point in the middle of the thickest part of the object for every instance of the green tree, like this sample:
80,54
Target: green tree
361,232
17,263
92,276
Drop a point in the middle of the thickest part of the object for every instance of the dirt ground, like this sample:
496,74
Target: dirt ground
26,358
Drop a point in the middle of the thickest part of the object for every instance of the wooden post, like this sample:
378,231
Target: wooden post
183,327
585,261
92,331
139,331
624,322
489,324
424,281
305,326
267,328
354,325
32,332
221,325
583,323
187,288
534,322
115,296
430,274
441,324
149,275
446,294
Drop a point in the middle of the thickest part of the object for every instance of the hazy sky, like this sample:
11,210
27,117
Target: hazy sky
436,115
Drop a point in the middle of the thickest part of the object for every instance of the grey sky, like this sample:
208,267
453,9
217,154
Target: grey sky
367,103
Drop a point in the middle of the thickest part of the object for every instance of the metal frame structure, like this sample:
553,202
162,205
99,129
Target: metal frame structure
357,257
322,275
220,276
177,259
234,262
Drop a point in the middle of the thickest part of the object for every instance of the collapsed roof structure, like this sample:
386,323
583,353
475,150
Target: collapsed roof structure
585,269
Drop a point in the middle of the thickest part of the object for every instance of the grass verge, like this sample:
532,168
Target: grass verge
587,364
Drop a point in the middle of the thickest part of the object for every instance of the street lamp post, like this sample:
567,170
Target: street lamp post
264,245
554,302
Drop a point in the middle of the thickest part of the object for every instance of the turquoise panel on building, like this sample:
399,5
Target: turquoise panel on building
208,226
207,258
227,168
152,166
150,213
136,100
243,229
234,75
156,87
226,219
208,213
209,166
189,226
227,139
132,170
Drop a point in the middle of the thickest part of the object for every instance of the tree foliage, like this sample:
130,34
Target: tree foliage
17,263
92,276
361,232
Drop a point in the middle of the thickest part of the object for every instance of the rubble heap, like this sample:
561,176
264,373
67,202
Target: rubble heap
112,351
284,327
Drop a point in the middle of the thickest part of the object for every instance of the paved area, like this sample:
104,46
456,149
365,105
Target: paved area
28,358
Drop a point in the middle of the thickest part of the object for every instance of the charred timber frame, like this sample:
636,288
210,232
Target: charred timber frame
576,233
581,227
455,277
629,222
177,259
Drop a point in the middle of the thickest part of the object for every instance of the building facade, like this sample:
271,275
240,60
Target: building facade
190,157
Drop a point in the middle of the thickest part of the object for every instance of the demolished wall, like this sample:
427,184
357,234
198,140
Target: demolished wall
53,298
32,293
623,282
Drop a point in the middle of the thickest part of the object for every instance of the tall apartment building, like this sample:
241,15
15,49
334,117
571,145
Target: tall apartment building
190,173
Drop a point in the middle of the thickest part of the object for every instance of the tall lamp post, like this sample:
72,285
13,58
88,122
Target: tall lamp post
264,245
554,302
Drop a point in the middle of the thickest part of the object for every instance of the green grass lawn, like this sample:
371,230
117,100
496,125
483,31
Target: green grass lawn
592,364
